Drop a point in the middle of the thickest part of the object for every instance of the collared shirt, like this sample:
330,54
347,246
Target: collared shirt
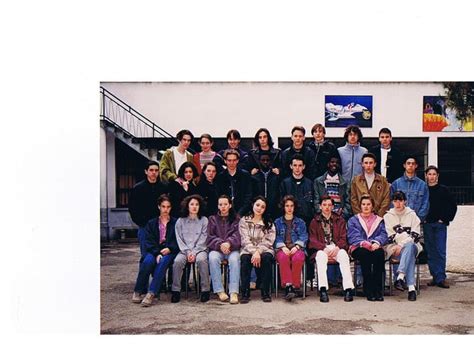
383,161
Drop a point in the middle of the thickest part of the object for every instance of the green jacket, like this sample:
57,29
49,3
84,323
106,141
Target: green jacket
168,171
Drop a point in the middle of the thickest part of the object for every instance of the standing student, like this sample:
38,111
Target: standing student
266,183
389,158
323,149
413,187
257,233
290,242
403,230
442,211
223,241
191,235
351,153
142,203
298,147
182,186
207,188
175,156
233,142
366,236
369,182
206,155
160,250
235,182
327,242
263,142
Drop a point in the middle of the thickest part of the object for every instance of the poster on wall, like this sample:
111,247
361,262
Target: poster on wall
438,117
341,111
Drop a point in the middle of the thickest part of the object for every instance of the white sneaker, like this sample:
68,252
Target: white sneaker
137,298
148,300
223,296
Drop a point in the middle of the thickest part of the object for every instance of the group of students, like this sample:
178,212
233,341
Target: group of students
314,203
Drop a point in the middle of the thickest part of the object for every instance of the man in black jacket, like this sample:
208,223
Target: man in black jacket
235,182
323,150
442,211
266,183
143,198
389,158
298,147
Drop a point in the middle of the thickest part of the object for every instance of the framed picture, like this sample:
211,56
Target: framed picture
438,117
341,111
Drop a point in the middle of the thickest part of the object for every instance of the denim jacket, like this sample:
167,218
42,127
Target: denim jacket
416,190
299,233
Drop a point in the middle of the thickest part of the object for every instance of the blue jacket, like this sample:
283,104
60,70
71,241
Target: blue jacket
351,160
299,233
357,232
152,237
416,190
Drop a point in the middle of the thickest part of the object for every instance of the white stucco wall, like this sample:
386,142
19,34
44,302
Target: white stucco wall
461,241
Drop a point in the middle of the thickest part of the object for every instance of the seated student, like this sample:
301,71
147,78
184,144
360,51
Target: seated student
257,235
327,242
206,155
160,250
291,238
266,184
233,142
207,188
366,236
263,143
191,234
403,229
332,184
223,241
182,186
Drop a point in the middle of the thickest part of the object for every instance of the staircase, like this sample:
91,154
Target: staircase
131,127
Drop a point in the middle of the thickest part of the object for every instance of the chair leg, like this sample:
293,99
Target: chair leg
186,287
390,278
418,279
276,279
304,280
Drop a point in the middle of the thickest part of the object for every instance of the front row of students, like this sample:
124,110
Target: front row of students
255,241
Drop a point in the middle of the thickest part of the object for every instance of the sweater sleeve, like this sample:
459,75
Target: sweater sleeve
182,244
213,240
451,206
201,241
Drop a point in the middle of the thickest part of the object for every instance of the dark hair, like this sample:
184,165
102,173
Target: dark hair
234,133
318,126
184,166
325,198
151,163
163,198
203,176
232,213
185,205
255,139
231,151
297,157
286,199
369,155
353,129
298,127
366,196
431,167
399,196
183,132
206,136
409,156
385,131
267,221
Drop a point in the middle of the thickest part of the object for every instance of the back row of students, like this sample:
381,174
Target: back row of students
268,178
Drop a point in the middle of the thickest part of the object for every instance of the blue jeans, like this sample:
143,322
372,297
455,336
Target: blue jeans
141,240
435,244
148,266
215,259
407,260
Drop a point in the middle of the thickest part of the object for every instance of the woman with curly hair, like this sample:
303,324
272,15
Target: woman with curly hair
182,186
257,234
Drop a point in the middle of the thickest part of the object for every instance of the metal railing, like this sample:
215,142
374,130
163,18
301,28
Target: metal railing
129,120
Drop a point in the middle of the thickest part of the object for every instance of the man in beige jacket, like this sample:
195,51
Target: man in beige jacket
370,183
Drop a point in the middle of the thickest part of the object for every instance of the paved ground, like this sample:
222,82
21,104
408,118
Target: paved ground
436,311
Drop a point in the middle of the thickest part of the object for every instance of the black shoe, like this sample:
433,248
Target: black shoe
323,295
443,284
399,284
432,283
289,292
266,297
205,296
348,295
175,296
379,296
412,295
371,297
245,296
